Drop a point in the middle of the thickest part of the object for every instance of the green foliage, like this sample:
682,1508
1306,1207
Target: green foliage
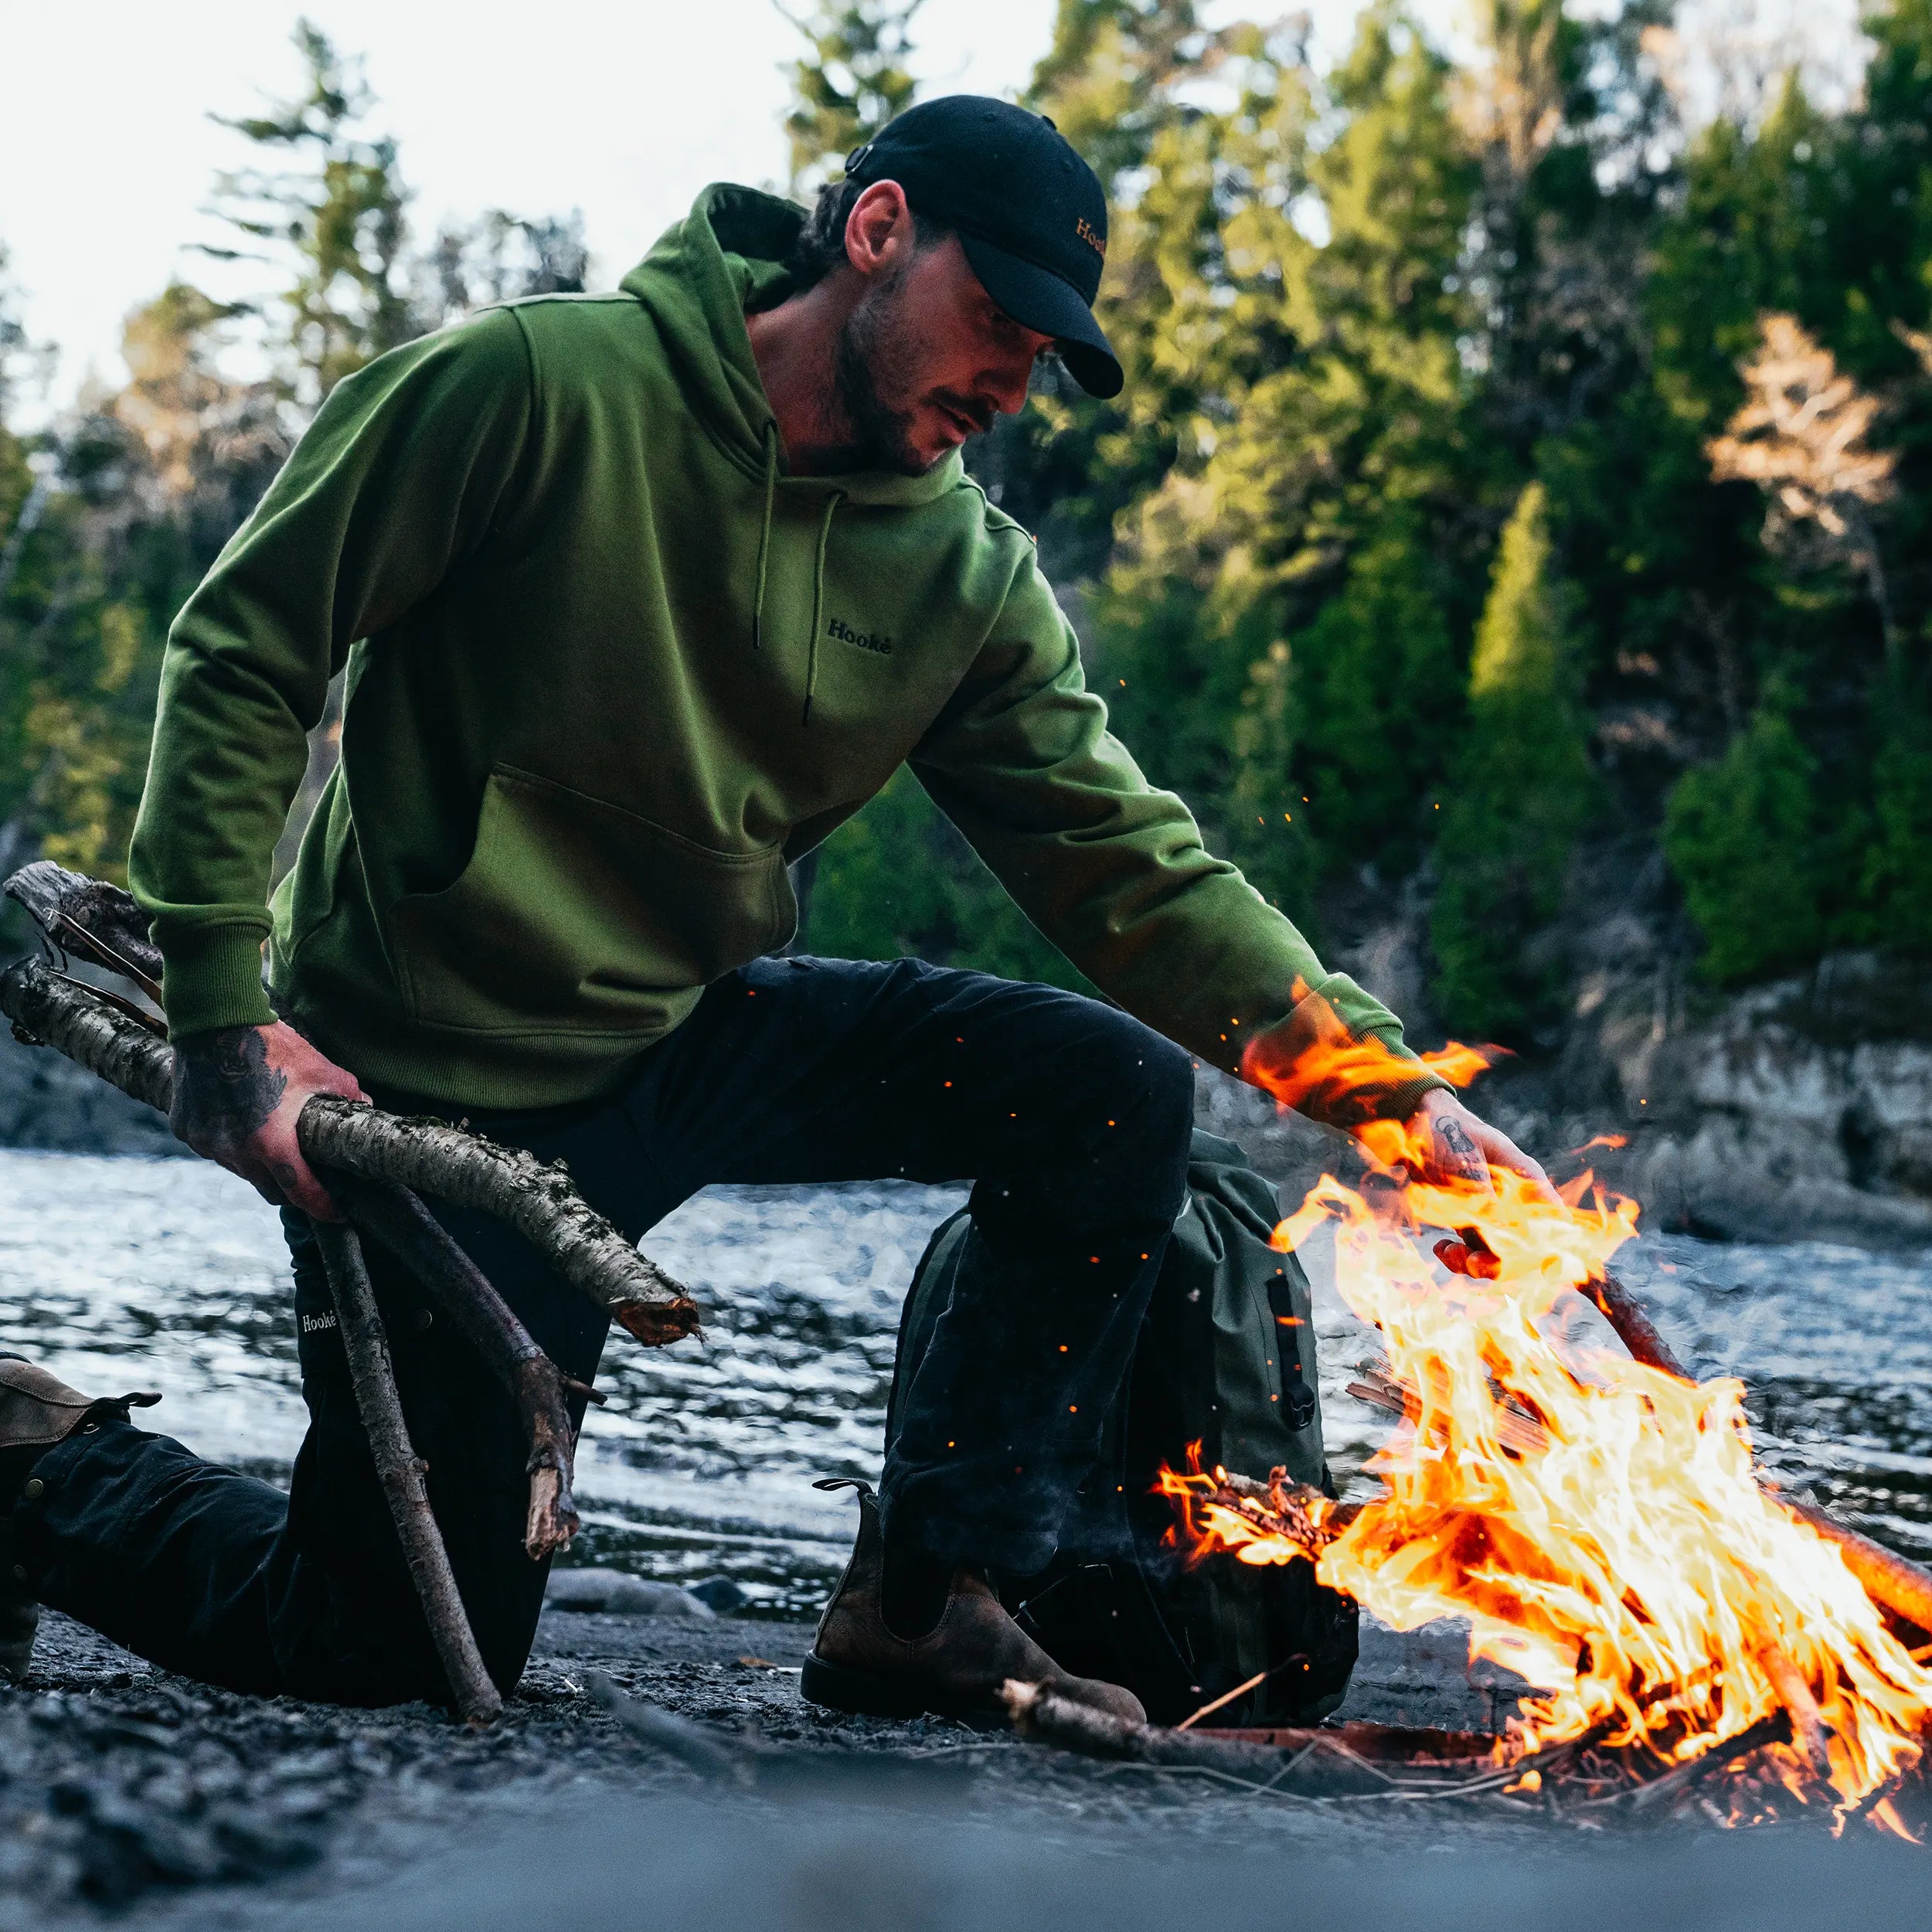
1519,794
897,880
849,83
1897,880
1742,836
1401,553
133,502
109,518
1385,682
330,217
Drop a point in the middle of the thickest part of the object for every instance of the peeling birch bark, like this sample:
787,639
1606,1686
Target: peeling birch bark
401,1471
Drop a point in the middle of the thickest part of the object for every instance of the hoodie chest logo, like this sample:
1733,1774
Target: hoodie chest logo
876,642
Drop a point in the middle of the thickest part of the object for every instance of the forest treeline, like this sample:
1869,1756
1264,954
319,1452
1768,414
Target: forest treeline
1515,487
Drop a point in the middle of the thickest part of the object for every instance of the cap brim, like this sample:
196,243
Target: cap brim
1038,299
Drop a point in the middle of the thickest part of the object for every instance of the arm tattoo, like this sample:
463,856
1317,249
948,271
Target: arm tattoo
224,1086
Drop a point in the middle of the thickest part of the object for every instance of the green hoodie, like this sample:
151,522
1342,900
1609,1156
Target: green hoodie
611,669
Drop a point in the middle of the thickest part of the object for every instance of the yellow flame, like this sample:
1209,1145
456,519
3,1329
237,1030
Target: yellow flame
1600,1524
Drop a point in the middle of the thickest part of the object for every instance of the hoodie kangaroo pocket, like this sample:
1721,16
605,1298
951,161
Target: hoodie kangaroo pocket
576,915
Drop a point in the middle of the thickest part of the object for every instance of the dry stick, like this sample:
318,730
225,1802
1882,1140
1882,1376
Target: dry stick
1888,1580
399,1219
1036,1711
401,1473
89,917
59,1013
539,1202
1773,1729
48,1009
676,1737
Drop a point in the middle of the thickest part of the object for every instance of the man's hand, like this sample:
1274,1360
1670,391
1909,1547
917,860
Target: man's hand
1459,1147
239,1092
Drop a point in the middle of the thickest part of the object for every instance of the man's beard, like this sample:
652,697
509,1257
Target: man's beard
874,358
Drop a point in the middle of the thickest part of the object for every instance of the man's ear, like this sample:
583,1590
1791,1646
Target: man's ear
879,232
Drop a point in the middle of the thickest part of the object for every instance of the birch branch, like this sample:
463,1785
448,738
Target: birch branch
399,1219
49,1010
401,1471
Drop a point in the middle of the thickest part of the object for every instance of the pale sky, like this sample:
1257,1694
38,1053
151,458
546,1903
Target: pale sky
624,108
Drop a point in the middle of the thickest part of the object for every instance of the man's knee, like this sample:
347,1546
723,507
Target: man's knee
1145,1079
1136,1091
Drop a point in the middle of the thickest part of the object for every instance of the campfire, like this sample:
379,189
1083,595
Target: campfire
1599,1521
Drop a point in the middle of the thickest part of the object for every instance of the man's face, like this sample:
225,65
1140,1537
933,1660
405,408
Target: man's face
925,360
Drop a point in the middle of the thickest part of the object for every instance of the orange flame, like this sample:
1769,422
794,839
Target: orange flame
1600,1524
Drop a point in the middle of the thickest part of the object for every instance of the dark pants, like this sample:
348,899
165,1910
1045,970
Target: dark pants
1072,1121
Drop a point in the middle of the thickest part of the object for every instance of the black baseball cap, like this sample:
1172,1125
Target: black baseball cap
1028,212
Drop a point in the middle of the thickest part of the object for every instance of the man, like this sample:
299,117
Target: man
640,596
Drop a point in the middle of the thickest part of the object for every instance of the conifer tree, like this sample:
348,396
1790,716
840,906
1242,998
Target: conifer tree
324,204
852,80
1518,794
1742,835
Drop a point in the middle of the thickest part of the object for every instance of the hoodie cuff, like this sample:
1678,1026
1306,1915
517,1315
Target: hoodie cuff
1342,1075
212,976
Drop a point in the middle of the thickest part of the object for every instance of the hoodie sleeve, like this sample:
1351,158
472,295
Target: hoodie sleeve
403,469
1115,873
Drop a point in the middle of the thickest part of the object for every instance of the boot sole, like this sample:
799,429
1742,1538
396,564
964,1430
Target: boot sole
870,1694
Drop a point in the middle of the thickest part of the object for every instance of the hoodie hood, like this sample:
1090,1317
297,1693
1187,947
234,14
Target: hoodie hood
727,257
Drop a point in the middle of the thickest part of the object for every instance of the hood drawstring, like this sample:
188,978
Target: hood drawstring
764,536
819,599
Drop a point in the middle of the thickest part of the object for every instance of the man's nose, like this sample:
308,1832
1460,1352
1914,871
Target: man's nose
1006,387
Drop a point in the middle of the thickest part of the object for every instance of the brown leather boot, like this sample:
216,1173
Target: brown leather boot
36,1410
955,1670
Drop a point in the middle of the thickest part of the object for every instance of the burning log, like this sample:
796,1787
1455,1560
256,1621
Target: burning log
1888,1580
1809,1732
1901,1588
401,1471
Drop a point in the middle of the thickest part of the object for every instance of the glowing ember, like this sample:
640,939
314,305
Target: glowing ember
1599,1523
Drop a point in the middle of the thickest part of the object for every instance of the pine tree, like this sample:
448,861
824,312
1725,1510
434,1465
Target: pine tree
1302,249
1519,793
1742,835
1896,883
324,204
853,80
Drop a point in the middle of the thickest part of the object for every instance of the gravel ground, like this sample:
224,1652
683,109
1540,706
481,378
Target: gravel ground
128,1791
131,1795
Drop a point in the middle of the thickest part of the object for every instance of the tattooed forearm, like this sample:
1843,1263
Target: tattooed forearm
224,1088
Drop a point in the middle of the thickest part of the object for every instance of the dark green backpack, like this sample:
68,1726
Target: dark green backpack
1227,1359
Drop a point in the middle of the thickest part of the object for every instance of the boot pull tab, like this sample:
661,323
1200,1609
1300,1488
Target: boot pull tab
864,1489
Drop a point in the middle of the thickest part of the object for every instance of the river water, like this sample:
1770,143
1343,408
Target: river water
118,1272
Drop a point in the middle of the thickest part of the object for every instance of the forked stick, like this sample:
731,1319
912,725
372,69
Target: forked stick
399,1219
400,1472
119,1041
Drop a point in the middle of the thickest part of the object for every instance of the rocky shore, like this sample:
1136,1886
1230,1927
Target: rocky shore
1798,1111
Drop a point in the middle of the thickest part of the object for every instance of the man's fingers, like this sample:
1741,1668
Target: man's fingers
1505,1153
299,1186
